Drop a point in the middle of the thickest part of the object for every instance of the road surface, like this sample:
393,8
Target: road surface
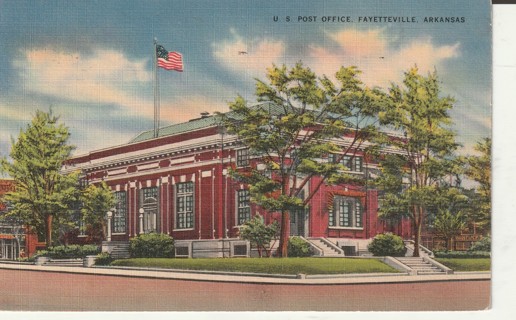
23,290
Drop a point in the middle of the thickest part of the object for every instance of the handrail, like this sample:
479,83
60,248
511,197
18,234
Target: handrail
425,249
332,245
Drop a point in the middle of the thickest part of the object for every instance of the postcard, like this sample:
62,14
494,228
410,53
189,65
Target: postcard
246,156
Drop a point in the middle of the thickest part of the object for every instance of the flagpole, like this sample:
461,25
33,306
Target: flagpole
156,91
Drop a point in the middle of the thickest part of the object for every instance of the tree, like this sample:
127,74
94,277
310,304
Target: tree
43,196
96,202
478,168
415,180
259,234
449,226
300,120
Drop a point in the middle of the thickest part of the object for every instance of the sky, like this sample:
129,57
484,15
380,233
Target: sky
91,62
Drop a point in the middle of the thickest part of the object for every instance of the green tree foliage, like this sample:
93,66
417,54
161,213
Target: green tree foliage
43,196
96,201
259,234
301,120
448,226
478,168
416,179
387,244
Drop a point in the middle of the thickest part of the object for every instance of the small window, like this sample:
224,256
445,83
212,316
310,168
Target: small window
243,157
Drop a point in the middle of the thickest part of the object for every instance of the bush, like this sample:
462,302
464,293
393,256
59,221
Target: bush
387,244
462,254
69,252
297,247
103,259
259,234
483,244
152,245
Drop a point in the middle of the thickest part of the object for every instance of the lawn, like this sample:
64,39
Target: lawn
466,264
266,265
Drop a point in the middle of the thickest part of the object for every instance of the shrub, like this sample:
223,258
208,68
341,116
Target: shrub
483,244
297,247
103,259
152,245
462,254
259,234
69,252
387,244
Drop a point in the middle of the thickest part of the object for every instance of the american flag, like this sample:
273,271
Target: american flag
169,60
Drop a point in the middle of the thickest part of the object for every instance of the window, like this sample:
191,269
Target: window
243,206
346,213
185,205
120,214
351,163
243,157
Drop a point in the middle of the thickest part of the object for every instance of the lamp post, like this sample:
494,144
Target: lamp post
109,217
141,211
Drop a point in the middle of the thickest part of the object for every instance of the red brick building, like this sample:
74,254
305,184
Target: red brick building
177,183
15,240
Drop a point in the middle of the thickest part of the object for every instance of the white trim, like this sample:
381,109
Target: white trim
116,171
346,228
147,166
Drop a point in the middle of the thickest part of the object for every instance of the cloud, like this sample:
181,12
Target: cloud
104,77
374,53
250,55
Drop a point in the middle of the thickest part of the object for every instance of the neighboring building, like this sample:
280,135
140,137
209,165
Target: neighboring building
15,240
178,184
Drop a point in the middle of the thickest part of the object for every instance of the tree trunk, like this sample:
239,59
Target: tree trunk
417,234
284,234
48,230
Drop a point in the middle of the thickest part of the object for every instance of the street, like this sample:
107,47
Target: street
52,291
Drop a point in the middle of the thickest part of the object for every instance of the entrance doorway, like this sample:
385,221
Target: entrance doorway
299,222
151,215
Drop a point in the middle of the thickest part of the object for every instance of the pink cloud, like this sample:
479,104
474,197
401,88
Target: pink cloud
380,64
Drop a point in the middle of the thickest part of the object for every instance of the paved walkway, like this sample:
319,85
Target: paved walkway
253,278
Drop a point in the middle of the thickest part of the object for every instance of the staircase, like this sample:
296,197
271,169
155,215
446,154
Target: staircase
325,247
117,249
423,266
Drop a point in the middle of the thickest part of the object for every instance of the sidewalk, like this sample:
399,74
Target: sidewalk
251,278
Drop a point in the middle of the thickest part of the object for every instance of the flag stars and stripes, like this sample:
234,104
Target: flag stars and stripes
169,60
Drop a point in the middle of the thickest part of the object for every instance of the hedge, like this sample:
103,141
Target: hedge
462,254
152,245
69,252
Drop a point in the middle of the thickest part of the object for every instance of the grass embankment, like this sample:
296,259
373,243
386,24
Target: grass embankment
266,265
465,264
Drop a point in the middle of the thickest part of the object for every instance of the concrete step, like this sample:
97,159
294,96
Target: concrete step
64,262
327,250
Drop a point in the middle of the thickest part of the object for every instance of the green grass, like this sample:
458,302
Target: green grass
266,265
466,264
